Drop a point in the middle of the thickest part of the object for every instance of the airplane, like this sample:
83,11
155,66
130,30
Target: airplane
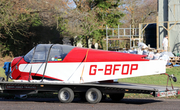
70,64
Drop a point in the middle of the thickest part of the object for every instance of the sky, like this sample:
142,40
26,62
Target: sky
72,5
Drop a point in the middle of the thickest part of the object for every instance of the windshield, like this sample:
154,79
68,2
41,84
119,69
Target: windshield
58,53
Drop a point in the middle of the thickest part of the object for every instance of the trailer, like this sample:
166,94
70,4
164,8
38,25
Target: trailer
92,92
89,72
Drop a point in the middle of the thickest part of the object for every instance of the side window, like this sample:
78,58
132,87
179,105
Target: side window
39,57
59,52
40,54
55,54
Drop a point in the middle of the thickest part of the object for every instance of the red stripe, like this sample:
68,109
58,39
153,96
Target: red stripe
78,55
35,74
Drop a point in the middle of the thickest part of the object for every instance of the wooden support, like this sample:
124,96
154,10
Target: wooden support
168,29
162,22
118,38
140,31
124,39
168,36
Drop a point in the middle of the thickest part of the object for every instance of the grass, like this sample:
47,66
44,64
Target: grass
152,79
2,74
156,79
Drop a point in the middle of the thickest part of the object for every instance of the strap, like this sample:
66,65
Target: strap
46,62
81,78
31,62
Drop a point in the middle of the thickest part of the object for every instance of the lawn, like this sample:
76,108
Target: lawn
156,79
2,74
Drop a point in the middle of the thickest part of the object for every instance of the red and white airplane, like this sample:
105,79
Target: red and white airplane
81,65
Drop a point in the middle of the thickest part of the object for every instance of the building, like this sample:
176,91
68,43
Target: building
169,23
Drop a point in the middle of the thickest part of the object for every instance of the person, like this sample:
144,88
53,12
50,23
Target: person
92,46
142,45
165,43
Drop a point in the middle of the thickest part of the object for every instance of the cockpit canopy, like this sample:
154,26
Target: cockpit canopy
40,53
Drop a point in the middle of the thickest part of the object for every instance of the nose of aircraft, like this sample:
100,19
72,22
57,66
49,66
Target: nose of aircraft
15,73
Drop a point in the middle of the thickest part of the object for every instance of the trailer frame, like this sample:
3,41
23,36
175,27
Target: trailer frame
118,89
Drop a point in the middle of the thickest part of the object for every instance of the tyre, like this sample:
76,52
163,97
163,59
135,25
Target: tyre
93,95
116,97
174,79
66,95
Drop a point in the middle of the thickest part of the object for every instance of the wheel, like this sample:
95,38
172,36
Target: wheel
66,95
116,97
174,79
93,95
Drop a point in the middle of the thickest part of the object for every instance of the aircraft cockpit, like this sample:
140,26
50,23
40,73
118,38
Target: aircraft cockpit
40,53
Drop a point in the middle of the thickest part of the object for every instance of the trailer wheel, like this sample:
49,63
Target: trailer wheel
116,97
93,95
66,95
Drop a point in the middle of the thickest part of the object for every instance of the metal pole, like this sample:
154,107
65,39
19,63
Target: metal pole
118,37
106,38
130,36
113,37
133,36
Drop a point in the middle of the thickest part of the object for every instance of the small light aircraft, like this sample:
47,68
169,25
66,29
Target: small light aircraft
65,63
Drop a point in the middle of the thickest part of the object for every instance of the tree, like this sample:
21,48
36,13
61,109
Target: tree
139,11
94,15
26,23
14,25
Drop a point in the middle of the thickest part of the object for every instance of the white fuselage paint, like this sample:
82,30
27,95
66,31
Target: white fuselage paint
96,71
